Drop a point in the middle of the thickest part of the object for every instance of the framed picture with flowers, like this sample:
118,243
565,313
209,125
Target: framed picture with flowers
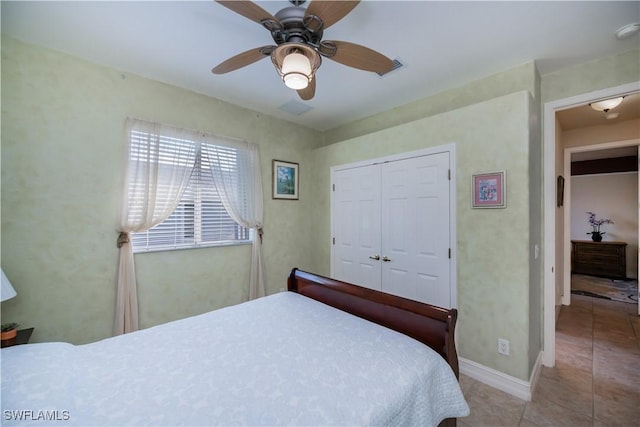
488,190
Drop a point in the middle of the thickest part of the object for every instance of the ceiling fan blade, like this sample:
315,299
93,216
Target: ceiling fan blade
308,92
330,11
243,59
357,56
248,9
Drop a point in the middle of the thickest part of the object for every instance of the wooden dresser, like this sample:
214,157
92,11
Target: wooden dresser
604,259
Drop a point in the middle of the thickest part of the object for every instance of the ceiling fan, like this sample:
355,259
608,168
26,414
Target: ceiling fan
297,33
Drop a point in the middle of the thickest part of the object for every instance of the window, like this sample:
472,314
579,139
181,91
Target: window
200,218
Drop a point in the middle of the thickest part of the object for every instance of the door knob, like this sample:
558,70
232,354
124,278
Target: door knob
386,259
375,257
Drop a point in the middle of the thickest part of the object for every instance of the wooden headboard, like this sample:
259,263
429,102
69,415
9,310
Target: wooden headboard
431,325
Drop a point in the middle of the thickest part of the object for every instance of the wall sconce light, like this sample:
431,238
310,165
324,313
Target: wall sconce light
296,63
606,104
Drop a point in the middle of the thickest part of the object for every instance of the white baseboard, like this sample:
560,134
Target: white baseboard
496,379
535,373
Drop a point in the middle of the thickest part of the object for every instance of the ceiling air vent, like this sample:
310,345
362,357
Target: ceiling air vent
294,107
397,64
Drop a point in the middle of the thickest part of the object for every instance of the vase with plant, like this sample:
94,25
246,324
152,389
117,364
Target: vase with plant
8,331
596,234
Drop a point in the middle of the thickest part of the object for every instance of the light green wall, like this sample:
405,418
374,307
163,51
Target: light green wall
62,167
493,244
610,71
523,77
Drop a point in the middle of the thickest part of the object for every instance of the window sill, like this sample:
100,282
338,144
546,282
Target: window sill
181,248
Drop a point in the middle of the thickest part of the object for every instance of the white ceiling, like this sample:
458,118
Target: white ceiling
442,44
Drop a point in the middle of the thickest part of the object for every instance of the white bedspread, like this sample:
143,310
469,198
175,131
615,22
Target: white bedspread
279,360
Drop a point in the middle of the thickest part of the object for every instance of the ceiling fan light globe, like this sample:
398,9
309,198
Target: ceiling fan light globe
296,71
296,63
295,80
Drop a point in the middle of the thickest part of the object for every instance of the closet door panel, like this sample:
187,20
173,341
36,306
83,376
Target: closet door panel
433,231
398,240
356,216
415,227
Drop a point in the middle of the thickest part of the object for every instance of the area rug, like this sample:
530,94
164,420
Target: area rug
599,287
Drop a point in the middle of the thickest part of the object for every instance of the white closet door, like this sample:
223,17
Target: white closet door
415,226
356,226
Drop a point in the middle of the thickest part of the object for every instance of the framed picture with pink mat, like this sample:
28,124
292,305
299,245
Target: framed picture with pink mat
488,190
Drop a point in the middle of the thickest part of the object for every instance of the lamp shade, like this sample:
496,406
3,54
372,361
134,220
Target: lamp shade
7,290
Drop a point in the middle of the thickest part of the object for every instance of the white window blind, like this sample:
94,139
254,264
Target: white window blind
200,218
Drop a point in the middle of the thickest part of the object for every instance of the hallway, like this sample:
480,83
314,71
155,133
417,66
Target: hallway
596,381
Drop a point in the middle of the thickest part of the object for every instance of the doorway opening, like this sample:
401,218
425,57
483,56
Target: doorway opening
555,254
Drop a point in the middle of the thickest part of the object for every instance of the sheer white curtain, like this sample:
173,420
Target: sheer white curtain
241,193
156,179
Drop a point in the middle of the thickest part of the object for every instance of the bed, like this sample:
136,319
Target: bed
315,355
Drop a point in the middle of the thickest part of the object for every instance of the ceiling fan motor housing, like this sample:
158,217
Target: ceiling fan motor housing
292,26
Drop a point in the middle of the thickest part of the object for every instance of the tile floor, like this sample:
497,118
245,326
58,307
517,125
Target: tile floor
596,381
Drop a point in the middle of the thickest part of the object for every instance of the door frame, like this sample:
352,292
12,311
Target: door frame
549,188
447,148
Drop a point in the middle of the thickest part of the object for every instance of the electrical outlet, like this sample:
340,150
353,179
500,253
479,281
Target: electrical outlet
503,346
